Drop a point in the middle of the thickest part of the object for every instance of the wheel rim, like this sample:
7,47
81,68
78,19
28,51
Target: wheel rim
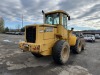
79,47
65,54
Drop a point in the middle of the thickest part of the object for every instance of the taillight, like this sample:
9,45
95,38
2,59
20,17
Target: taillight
36,47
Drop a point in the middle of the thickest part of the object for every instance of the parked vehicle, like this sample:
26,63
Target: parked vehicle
15,33
97,36
90,38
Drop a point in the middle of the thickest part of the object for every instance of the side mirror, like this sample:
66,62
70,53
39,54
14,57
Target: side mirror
43,12
72,29
68,17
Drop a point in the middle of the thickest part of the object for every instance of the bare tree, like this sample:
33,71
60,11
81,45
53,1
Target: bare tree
18,27
1,24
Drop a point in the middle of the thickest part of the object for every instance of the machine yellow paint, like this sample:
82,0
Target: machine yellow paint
45,40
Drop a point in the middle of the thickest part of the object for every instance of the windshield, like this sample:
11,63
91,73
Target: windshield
88,35
52,18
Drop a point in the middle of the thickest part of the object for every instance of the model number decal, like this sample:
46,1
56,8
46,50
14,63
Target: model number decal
48,29
41,31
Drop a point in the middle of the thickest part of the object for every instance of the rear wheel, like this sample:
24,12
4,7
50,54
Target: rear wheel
60,52
36,55
78,47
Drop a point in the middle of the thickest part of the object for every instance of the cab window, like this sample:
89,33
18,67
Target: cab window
64,20
52,18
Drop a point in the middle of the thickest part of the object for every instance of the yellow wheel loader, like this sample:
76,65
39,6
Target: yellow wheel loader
52,37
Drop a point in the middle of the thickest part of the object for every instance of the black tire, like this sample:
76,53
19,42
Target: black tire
61,52
83,47
37,55
78,47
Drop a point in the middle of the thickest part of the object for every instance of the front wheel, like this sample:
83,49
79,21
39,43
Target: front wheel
60,52
78,47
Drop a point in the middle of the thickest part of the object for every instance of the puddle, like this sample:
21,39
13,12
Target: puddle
7,41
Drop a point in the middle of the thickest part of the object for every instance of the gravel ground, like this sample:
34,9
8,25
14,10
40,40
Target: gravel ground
15,62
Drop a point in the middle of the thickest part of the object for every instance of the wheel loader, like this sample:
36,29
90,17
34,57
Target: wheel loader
52,38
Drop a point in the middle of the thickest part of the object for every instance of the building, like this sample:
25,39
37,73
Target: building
93,32
1,24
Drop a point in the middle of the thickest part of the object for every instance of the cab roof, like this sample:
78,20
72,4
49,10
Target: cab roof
58,11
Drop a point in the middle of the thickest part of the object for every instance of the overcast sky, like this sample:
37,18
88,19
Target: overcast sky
85,14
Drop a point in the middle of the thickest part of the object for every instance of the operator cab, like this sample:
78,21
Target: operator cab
52,18
58,17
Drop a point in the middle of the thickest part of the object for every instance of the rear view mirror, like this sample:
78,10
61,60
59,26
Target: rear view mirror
72,29
43,12
68,17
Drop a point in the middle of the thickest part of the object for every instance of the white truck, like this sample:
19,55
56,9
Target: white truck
97,36
89,37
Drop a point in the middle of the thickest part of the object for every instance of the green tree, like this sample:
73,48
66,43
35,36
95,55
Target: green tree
6,29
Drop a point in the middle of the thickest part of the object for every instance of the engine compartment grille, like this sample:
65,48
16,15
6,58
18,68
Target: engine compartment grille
31,34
